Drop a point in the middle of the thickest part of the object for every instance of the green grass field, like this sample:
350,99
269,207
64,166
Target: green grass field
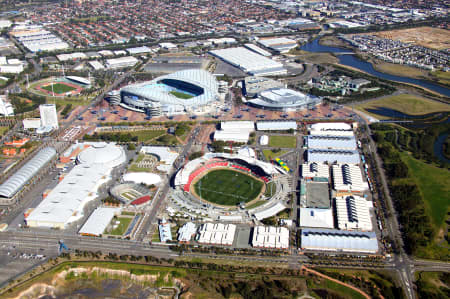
228,187
147,135
58,88
443,77
181,95
406,103
433,182
122,227
270,154
282,141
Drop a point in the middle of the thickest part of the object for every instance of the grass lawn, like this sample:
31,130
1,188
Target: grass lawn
181,95
256,204
283,141
147,135
3,130
399,69
228,187
270,155
406,103
58,88
122,227
443,77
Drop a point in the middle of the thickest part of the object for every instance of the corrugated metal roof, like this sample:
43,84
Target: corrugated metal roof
12,185
276,125
99,221
327,141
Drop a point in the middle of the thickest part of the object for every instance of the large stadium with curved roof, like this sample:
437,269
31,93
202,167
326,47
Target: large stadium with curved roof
192,90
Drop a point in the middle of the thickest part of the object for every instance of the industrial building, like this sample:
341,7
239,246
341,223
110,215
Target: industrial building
36,38
49,116
348,178
353,213
121,62
25,173
165,155
216,234
65,203
139,50
250,62
258,50
338,240
13,66
236,131
193,91
99,221
186,232
331,142
332,156
332,129
278,44
283,99
270,237
315,171
318,218
252,86
276,125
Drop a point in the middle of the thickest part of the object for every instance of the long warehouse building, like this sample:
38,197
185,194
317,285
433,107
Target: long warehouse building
19,179
250,62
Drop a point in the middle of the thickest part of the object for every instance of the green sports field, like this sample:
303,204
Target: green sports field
58,88
228,187
181,95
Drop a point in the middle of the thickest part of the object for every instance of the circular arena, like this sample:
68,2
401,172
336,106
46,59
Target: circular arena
193,90
60,86
230,187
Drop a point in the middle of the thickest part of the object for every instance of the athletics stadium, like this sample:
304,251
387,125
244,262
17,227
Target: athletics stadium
187,91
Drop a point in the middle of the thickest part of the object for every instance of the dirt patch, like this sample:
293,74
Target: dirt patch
434,38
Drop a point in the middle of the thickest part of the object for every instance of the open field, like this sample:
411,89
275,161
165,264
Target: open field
147,135
270,154
228,187
282,141
434,38
3,130
58,88
181,95
443,77
122,227
399,69
405,103
433,184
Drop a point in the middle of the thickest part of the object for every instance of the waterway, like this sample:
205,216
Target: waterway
439,148
353,61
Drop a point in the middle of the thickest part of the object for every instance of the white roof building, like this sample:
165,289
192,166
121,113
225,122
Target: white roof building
139,50
142,178
257,50
121,62
236,131
247,151
332,129
96,65
31,123
338,240
186,232
65,203
315,170
264,140
49,116
250,62
276,125
270,237
333,156
216,234
278,44
353,213
6,109
320,218
331,142
165,233
98,221
348,178
71,56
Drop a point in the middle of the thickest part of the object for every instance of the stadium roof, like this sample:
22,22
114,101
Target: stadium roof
273,210
197,77
283,98
98,221
21,177
79,79
337,240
